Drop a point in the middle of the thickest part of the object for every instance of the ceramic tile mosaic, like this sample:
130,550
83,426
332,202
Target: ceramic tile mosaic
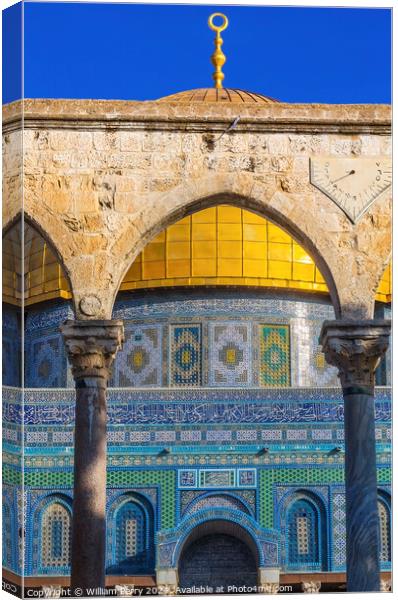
185,355
339,545
274,355
11,358
139,363
230,360
216,501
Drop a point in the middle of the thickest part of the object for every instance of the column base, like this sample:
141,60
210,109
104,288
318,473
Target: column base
268,581
167,582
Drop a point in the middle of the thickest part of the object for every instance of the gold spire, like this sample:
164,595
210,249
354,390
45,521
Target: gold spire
218,57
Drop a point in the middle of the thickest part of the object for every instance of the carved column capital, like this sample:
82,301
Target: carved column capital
355,348
92,346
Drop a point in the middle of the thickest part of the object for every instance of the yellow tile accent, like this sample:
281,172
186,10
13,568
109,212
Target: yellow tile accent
178,250
255,232
300,255
257,250
229,214
303,272
204,250
280,252
318,276
229,231
159,238
134,272
179,233
154,251
204,231
154,270
275,234
208,215
255,268
250,217
178,268
229,249
280,269
229,267
204,268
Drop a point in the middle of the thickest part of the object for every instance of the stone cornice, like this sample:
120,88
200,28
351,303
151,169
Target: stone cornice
197,117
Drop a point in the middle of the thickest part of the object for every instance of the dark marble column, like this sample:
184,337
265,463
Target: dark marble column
355,348
91,347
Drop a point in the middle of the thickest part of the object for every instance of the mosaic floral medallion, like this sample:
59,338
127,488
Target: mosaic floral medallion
274,355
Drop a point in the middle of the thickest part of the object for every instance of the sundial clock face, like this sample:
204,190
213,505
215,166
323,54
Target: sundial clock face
352,183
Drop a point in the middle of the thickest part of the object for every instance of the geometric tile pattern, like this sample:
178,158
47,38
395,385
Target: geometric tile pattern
216,501
305,476
274,355
217,478
302,524
130,534
11,357
55,536
139,364
385,531
7,537
230,354
185,355
338,529
309,367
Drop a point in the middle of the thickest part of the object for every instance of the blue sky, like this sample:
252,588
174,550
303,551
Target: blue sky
143,52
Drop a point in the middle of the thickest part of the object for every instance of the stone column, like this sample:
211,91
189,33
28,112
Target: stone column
355,348
91,347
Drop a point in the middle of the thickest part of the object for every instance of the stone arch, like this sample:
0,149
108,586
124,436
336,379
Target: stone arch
216,498
41,523
234,555
240,191
303,520
130,535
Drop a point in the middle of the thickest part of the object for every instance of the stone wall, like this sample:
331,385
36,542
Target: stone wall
101,178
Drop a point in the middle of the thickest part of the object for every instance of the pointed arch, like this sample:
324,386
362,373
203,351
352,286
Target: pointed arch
242,192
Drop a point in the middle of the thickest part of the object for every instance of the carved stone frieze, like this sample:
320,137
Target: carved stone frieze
92,346
355,348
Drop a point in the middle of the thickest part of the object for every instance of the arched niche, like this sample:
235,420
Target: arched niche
51,535
130,535
228,551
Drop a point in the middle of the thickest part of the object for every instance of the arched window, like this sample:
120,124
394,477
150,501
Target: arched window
131,536
306,535
55,536
385,530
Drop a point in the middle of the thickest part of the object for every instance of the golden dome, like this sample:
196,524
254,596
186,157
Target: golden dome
219,246
207,95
